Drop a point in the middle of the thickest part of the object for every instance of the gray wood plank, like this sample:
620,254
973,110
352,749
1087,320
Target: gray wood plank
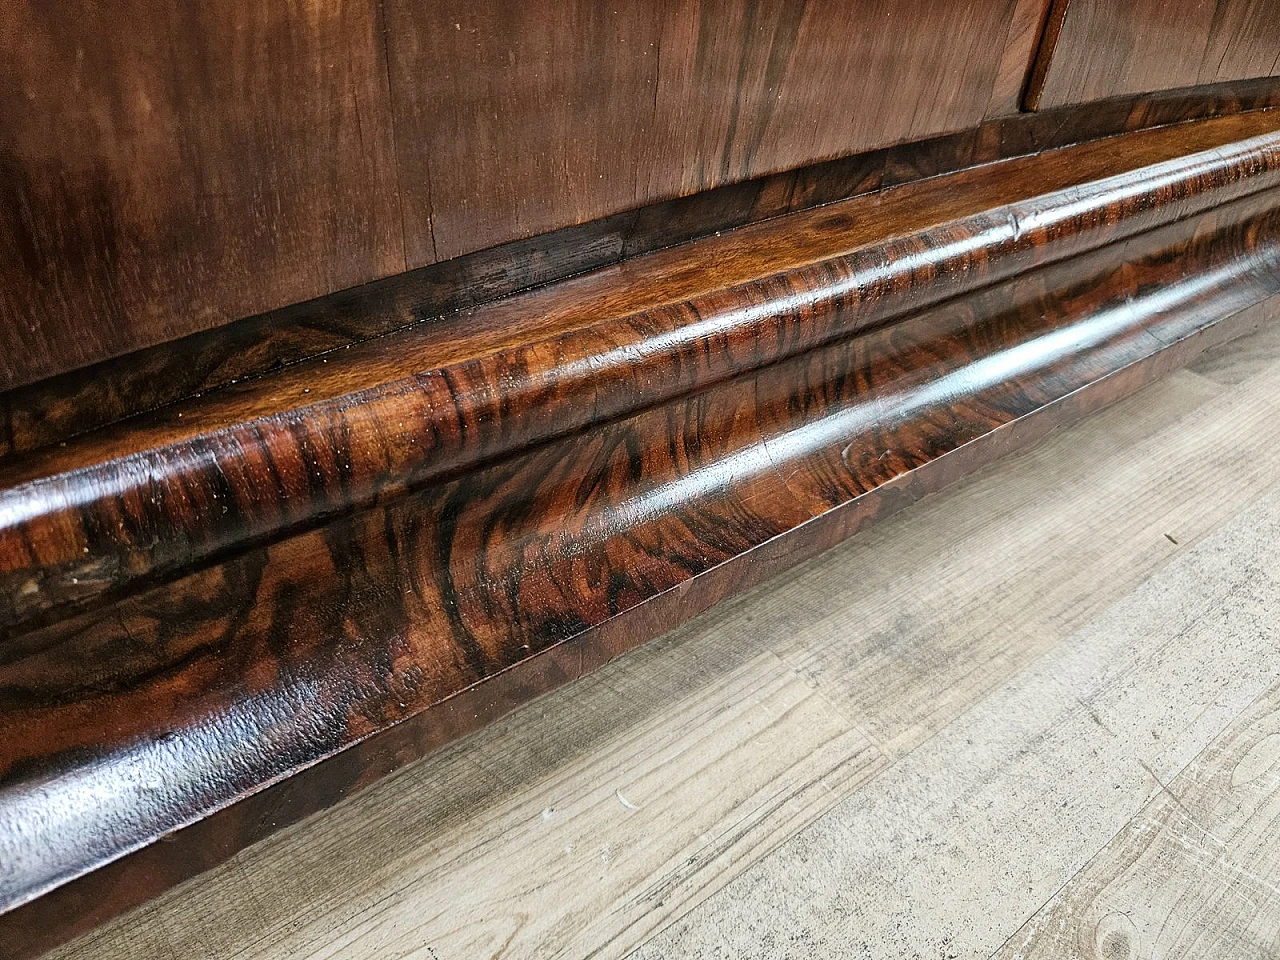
972,831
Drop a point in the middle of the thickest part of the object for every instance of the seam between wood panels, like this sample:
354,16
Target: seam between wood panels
395,147
1050,28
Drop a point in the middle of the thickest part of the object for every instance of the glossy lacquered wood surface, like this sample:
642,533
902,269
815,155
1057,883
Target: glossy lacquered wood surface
754,407
164,174
525,116
149,498
61,407
1096,49
166,171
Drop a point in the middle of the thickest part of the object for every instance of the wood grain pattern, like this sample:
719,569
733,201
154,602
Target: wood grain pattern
520,118
1027,26
745,89
744,727
271,681
515,118
74,403
149,500
164,171
1193,873
1244,41
1106,48
164,174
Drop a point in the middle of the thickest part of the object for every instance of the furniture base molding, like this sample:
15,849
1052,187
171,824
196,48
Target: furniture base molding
230,612
64,406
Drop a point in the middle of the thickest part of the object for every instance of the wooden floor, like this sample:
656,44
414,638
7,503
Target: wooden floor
1035,716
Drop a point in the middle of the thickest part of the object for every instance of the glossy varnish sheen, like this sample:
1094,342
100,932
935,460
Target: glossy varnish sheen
52,410
167,170
106,513
165,173
164,726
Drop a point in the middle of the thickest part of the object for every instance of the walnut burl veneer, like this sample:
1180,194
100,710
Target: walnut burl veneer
229,612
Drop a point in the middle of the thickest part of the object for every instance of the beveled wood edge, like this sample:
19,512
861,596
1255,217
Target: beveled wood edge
1126,360
61,407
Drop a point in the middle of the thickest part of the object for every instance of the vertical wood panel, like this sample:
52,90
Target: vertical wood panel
1244,41
514,118
747,89
1110,48
166,167
1026,27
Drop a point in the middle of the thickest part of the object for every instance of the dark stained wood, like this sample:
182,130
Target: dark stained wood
165,173
1027,26
1244,41
168,168
1109,48
1050,31
746,89
150,498
65,406
516,118
818,378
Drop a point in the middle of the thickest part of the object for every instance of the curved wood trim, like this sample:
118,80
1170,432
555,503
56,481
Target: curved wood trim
122,508
62,407
735,430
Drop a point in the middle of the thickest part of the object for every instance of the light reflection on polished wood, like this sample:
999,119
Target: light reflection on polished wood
931,663
823,379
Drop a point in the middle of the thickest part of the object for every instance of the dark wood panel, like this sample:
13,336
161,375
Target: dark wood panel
1026,28
155,733
1244,41
746,88
516,118
1108,48
165,168
164,171
64,406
